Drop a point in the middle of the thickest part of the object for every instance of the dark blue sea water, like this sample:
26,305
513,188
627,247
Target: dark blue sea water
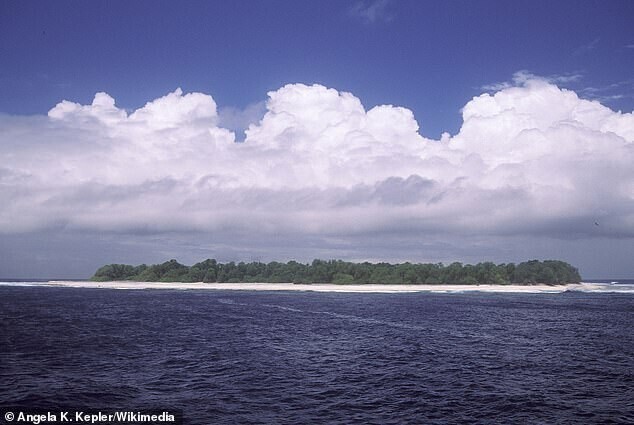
227,357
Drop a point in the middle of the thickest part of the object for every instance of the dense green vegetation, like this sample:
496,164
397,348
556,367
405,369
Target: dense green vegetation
342,272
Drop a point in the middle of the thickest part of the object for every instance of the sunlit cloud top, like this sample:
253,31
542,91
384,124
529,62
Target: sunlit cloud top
531,158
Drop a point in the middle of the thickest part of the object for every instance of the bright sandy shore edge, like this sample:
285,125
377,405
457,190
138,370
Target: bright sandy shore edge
320,287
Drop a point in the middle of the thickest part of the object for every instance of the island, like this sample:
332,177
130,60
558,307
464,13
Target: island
549,272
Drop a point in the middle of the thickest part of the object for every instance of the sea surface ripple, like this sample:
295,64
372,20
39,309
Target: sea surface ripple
227,357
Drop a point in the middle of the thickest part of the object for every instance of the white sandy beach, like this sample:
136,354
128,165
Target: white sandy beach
320,287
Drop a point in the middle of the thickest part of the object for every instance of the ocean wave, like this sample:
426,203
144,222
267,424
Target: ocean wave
622,288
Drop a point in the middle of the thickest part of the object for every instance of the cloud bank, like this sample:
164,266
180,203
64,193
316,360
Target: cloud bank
530,159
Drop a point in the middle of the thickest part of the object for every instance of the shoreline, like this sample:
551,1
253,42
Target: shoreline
324,287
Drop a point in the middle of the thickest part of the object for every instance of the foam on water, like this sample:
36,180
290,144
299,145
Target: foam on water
592,287
623,288
20,283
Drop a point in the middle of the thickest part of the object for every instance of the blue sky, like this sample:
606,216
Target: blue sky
431,57
275,130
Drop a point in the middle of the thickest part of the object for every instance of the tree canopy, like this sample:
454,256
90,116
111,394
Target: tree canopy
343,272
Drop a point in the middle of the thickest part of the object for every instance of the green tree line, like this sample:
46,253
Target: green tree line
343,272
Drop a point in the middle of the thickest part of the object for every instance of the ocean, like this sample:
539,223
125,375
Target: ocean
241,357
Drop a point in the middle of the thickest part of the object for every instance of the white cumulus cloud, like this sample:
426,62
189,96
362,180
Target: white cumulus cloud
530,159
